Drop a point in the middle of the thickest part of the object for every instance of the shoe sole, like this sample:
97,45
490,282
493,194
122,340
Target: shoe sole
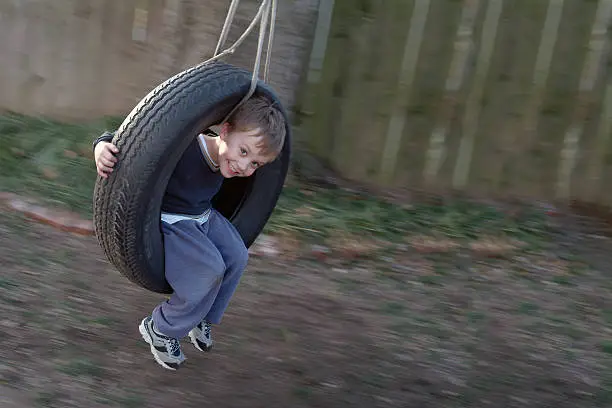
147,337
194,341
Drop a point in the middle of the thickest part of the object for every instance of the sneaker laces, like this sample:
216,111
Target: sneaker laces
207,329
175,346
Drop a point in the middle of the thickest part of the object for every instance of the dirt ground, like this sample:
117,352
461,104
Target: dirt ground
405,328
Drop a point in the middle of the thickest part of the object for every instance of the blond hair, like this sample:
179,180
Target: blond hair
263,114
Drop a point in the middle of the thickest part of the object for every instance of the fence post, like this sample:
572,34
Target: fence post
319,43
474,102
395,130
464,47
590,72
519,137
596,166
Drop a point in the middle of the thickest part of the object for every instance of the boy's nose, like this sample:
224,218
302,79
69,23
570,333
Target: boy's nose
243,165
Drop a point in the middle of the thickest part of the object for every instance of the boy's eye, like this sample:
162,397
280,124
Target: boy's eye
255,164
243,151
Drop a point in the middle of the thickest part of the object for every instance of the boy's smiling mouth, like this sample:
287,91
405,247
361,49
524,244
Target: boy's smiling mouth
232,169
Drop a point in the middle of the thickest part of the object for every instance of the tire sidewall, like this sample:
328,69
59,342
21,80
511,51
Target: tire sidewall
151,152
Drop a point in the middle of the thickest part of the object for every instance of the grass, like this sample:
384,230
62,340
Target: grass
82,367
52,161
7,284
528,308
393,308
46,399
606,347
130,400
320,213
401,327
49,160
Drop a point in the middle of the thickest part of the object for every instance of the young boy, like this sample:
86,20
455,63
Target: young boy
204,254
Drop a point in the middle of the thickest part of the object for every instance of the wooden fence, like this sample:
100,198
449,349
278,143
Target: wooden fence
82,59
494,96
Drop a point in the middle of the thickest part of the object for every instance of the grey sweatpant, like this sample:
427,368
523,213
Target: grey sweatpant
204,263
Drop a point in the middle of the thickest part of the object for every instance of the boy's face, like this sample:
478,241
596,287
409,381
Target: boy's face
239,152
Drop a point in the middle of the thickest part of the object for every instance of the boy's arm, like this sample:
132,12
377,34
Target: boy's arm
104,137
104,157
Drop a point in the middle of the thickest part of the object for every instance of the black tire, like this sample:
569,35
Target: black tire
151,140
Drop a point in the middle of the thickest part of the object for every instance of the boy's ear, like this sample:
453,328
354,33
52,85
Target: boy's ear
225,128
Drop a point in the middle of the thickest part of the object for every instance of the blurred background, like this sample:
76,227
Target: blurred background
442,240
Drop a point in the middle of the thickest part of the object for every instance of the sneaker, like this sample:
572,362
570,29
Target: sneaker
200,336
166,350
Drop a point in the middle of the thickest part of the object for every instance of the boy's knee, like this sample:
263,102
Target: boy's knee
218,269
242,256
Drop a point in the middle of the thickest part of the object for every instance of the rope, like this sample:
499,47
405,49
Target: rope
255,77
270,40
226,25
266,13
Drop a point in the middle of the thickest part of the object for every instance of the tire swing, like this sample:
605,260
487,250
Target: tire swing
153,137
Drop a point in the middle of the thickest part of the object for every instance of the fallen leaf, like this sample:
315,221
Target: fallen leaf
427,244
70,154
18,152
490,246
49,173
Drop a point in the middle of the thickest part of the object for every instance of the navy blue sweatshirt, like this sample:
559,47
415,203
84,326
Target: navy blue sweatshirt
192,184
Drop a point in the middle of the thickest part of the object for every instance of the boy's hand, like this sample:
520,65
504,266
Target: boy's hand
104,156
